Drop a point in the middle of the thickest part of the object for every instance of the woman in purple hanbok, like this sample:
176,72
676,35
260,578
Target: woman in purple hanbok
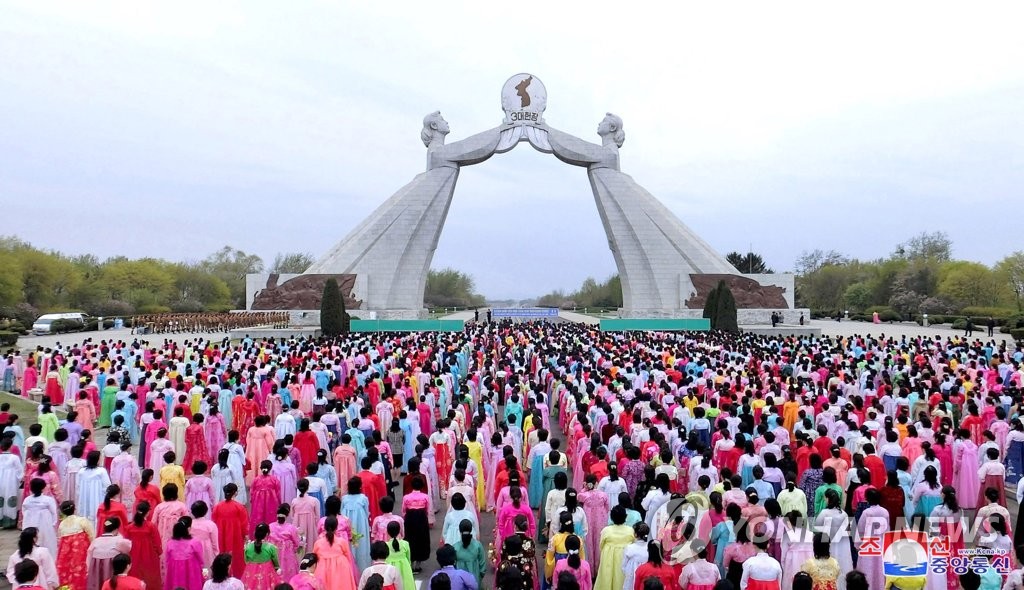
284,470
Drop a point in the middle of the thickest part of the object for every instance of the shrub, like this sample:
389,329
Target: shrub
710,305
153,308
986,312
1017,334
881,309
23,312
187,306
332,309
935,320
726,316
220,308
8,338
890,316
65,326
109,307
13,326
1013,322
959,324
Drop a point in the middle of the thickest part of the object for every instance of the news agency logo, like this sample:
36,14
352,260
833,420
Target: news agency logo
916,554
903,553
684,549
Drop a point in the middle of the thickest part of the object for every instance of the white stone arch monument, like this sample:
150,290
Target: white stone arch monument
665,268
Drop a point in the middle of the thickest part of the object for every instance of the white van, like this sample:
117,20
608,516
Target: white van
43,322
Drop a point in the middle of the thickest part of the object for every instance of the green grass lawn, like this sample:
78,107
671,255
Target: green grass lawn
26,410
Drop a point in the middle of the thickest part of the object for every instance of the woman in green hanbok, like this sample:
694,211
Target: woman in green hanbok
400,555
469,553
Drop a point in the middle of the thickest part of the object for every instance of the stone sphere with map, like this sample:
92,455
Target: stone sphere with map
524,98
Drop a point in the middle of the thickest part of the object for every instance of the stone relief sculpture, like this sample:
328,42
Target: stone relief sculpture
302,292
749,294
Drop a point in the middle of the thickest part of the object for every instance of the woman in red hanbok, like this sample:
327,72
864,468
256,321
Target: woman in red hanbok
195,444
232,520
147,492
443,457
307,444
54,390
146,546
74,535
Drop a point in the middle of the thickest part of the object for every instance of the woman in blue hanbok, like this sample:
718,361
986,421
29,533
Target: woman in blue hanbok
1014,459
224,399
409,444
356,507
326,471
7,372
514,407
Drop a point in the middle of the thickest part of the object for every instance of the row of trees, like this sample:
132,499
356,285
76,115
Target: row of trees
590,294
608,294
920,276
34,281
450,288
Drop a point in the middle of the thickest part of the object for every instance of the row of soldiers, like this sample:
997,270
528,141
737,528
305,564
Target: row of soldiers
175,323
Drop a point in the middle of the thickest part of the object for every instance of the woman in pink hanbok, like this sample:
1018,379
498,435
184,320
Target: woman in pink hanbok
266,497
305,515
332,509
965,467
72,385
215,431
505,522
274,403
124,471
184,558
285,537
30,378
306,394
595,506
911,445
873,522
944,453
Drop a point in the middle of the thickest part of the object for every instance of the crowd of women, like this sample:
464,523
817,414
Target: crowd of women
541,455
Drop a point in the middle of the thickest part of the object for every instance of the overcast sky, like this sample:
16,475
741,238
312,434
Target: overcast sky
173,129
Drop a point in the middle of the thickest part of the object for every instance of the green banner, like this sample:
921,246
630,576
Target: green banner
655,325
406,325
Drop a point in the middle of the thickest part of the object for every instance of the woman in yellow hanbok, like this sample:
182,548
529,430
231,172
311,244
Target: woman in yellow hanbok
823,568
476,455
614,540
557,550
